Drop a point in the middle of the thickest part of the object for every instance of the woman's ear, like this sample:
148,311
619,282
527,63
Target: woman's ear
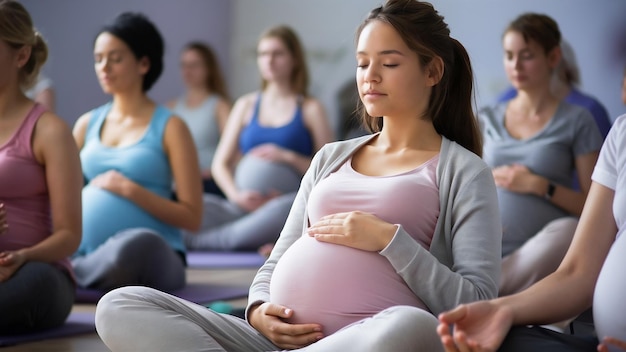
144,65
22,56
554,57
434,71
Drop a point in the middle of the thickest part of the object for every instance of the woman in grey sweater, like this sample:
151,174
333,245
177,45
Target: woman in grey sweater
386,230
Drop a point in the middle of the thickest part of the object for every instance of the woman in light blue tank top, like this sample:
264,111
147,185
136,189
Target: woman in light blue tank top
132,150
267,145
204,106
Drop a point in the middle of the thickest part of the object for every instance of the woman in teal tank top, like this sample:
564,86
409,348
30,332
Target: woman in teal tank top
132,150
267,145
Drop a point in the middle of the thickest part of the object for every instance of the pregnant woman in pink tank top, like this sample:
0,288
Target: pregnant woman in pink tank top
40,182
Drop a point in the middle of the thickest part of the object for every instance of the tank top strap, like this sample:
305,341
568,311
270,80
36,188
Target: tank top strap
299,115
22,139
96,120
158,123
257,108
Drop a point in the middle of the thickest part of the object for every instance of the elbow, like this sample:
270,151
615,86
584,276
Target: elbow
74,239
194,227
194,223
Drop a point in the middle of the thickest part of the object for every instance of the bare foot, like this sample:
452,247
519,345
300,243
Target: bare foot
266,249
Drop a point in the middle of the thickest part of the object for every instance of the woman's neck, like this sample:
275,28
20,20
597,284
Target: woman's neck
11,99
278,90
534,103
409,133
131,104
559,88
197,93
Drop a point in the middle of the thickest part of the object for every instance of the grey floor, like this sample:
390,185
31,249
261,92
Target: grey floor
91,342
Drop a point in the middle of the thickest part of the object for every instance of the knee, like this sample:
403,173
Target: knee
40,276
564,227
408,328
138,244
111,308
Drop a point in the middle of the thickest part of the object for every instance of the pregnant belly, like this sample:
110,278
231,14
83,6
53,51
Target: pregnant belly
256,174
608,318
335,286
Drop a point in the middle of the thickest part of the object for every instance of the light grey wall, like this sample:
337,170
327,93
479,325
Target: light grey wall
594,28
70,27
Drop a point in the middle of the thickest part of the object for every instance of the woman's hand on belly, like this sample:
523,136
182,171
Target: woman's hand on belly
252,200
267,318
354,229
519,179
270,152
112,181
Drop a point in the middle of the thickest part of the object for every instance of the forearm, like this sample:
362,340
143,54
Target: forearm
178,214
298,161
225,180
563,197
558,297
60,245
437,285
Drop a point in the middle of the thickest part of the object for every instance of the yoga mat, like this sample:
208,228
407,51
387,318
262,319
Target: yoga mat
76,324
224,260
194,292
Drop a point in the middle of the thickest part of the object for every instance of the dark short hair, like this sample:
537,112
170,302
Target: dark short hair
143,39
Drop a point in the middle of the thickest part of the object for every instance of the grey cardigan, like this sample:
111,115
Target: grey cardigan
463,263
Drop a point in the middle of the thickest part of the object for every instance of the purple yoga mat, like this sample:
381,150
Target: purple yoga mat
224,260
197,293
76,324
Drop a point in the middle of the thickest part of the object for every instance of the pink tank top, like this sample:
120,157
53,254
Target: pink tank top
334,285
24,190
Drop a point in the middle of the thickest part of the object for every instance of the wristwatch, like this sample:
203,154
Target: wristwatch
550,191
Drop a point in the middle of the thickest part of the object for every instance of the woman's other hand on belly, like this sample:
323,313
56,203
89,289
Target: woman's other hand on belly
252,200
113,181
269,320
354,229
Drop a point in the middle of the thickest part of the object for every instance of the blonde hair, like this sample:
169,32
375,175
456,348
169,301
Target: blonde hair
17,30
300,74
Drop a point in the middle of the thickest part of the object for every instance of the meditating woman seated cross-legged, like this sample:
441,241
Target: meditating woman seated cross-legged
386,231
132,151
40,183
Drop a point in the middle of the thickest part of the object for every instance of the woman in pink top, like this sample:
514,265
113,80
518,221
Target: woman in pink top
40,182
386,231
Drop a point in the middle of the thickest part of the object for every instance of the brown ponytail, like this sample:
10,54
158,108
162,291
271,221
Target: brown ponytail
451,102
16,29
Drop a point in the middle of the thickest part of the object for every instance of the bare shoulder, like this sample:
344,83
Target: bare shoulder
312,106
176,125
223,102
80,126
242,110
247,99
52,137
51,127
